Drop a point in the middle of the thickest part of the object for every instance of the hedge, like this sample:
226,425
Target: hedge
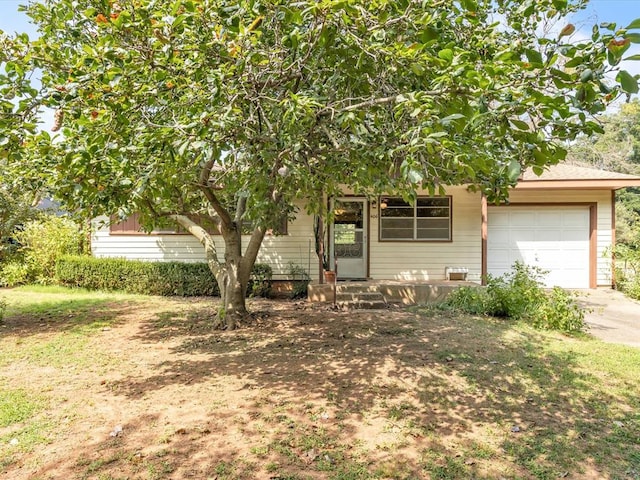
150,278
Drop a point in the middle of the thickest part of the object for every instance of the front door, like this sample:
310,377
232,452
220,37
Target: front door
349,237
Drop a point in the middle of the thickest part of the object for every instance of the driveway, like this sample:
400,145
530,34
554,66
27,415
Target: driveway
614,318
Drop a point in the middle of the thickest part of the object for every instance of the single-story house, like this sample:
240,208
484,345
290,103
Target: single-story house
562,221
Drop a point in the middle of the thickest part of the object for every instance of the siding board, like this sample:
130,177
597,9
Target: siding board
388,260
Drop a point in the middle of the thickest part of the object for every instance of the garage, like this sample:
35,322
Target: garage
554,238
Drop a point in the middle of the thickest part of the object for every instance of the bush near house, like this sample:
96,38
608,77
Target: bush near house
628,269
39,245
150,278
521,295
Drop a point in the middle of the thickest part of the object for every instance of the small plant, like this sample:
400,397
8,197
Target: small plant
300,278
260,283
559,312
520,294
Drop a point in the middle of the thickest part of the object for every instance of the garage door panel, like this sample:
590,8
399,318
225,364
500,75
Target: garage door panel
575,219
548,236
521,219
555,239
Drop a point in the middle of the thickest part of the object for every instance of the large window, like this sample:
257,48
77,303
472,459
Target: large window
428,219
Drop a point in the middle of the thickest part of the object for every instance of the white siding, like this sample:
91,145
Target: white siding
604,233
298,246
388,260
428,260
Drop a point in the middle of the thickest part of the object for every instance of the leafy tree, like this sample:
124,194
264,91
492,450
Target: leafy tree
617,147
225,112
16,209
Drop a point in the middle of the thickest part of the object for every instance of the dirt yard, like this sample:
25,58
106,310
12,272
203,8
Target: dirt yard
142,388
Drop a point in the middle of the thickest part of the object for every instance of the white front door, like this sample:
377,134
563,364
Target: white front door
349,237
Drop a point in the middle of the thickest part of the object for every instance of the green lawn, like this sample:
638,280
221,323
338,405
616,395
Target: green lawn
304,394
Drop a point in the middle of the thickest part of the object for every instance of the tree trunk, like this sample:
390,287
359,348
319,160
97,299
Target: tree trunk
233,308
233,275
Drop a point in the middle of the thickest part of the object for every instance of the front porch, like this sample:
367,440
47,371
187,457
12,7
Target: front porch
381,293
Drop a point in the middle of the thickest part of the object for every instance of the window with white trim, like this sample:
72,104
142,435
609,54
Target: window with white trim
426,220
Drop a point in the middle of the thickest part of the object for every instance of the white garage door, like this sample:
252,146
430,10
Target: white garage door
553,238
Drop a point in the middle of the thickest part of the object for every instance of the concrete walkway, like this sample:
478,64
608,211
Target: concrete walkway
614,318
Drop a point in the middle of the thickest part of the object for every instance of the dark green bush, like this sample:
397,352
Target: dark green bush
300,278
148,278
260,283
520,294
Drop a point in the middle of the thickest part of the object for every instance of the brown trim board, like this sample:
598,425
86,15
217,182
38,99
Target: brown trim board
613,239
484,232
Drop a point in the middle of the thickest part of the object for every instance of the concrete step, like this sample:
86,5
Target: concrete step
366,296
361,300
355,288
363,305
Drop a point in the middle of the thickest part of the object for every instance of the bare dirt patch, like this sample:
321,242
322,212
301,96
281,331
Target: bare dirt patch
302,393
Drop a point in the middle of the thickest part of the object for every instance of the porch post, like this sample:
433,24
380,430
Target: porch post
320,240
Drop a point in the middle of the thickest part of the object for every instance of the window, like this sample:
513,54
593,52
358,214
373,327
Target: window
428,219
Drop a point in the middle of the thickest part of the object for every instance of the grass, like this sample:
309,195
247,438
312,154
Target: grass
308,394
17,406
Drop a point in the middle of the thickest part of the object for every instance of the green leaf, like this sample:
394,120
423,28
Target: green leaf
586,76
628,82
519,124
634,25
560,4
451,118
446,54
417,69
632,57
414,176
534,56
513,170
632,37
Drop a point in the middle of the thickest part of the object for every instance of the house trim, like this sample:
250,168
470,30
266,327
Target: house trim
613,239
329,228
563,184
593,232
484,239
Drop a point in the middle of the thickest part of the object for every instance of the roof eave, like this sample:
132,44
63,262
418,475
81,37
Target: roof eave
603,184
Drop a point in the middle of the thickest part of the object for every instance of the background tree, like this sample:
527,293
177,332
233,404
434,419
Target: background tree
225,112
16,209
617,149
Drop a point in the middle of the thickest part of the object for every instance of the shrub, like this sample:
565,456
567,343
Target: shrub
41,242
300,279
520,294
260,283
559,312
148,278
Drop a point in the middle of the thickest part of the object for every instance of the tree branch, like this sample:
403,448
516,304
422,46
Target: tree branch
251,253
241,207
213,200
372,102
204,237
